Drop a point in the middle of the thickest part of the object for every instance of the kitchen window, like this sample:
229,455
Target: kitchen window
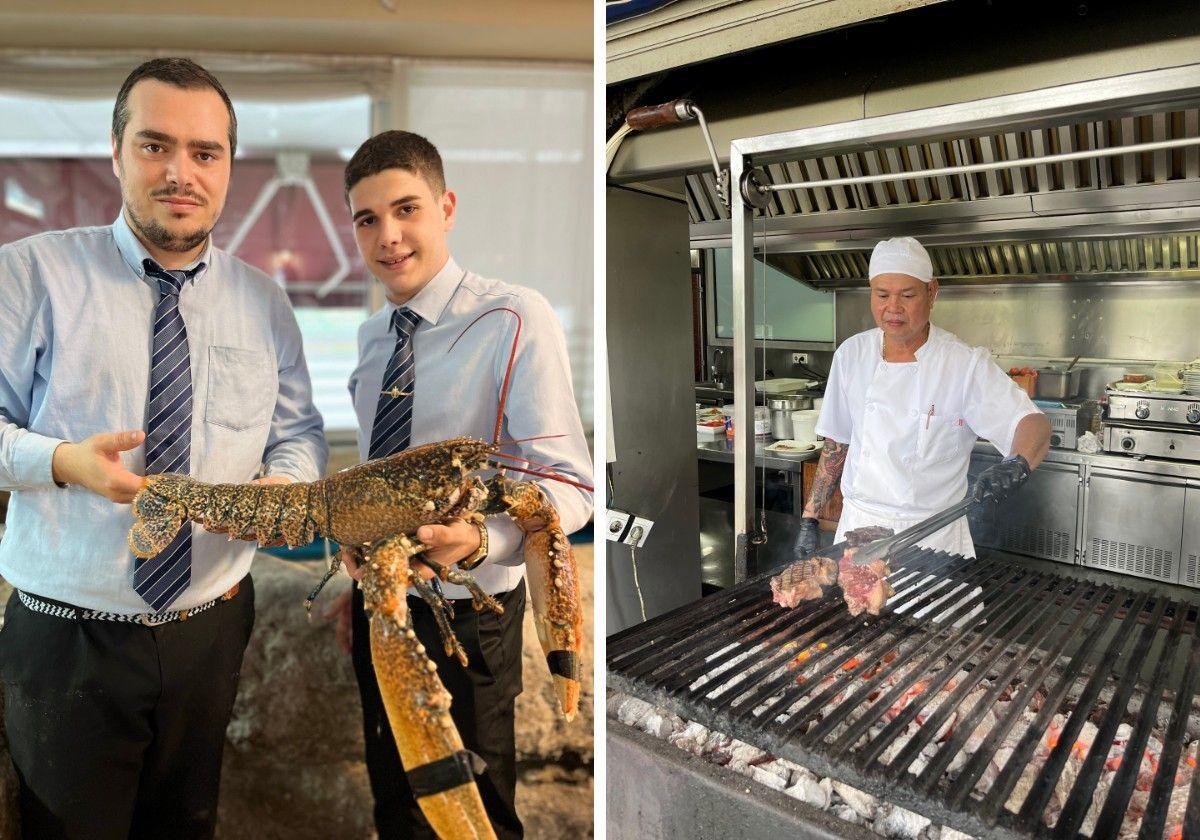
785,308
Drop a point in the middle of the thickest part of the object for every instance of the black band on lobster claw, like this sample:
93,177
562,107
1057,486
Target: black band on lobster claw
564,663
445,773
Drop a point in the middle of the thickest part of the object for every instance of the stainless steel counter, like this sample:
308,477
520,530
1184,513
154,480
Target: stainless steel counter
1137,516
721,450
1154,466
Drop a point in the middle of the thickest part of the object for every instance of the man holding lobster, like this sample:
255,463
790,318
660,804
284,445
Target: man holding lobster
423,376
120,673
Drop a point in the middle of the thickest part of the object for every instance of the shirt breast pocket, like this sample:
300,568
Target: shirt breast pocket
242,388
939,439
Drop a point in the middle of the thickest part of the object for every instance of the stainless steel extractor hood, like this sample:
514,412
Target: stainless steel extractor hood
1117,217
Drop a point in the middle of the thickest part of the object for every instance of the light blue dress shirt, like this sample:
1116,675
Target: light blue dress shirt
76,311
458,392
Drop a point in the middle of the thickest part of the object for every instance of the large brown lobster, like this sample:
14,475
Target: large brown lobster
374,510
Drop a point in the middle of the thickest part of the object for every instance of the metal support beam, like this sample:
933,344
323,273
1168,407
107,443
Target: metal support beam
746,535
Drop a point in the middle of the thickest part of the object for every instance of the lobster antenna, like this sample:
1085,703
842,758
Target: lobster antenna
527,439
552,476
512,357
525,460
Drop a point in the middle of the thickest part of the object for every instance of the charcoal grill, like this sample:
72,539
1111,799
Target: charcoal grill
1112,654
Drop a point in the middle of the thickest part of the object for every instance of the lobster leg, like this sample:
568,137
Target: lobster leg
335,563
480,598
440,771
553,583
437,605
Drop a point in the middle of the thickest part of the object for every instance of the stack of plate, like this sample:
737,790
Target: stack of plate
1191,379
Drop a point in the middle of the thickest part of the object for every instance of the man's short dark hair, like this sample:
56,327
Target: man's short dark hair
180,72
397,150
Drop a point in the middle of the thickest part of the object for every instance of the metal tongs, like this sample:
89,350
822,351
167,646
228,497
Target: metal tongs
889,546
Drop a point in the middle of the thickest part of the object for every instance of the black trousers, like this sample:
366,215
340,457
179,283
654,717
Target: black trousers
117,729
484,695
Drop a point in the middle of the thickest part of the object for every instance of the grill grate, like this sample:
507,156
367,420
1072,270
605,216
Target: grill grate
727,663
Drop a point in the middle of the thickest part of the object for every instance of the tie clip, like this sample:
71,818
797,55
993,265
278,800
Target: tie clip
395,393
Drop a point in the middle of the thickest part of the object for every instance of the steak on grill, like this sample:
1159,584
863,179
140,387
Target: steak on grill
866,534
865,588
803,581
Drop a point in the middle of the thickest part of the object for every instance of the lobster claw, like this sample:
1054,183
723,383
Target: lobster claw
554,589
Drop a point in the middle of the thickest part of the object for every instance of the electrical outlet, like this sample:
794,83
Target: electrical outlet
618,521
638,532
799,358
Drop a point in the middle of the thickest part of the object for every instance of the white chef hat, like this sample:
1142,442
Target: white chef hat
902,255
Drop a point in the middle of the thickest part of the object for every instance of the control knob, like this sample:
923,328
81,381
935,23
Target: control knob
1142,411
1193,413
1128,443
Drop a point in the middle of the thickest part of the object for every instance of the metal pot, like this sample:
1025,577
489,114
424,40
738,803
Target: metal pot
781,414
1056,383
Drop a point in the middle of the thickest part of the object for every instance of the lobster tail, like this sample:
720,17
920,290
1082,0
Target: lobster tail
157,514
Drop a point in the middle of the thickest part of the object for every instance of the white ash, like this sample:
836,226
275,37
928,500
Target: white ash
863,803
780,768
692,738
895,822
765,777
949,833
815,793
843,801
846,814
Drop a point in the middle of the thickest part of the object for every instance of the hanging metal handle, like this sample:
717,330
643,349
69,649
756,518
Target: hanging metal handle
656,116
672,113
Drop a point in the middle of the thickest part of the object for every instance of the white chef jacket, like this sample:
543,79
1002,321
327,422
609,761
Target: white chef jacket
911,427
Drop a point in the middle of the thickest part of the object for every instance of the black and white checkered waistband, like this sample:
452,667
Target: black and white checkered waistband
60,610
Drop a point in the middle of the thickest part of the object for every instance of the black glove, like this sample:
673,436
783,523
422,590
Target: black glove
806,543
1001,480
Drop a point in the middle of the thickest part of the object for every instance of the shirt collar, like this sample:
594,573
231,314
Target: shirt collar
936,336
133,252
433,299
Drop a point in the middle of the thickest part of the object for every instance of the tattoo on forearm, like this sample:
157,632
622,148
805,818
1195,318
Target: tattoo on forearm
828,476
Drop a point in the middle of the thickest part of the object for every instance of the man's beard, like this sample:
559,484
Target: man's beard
160,237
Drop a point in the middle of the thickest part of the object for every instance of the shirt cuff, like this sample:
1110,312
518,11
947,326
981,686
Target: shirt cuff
33,461
504,538
288,468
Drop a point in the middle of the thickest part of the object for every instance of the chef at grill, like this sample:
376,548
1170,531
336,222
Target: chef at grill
903,406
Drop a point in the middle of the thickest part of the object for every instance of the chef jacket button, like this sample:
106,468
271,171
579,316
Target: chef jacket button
870,406
912,412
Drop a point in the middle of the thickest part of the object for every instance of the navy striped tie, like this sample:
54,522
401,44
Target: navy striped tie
160,579
392,428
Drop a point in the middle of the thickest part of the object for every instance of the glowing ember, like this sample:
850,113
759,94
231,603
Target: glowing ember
851,664
1080,750
1052,736
1191,760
